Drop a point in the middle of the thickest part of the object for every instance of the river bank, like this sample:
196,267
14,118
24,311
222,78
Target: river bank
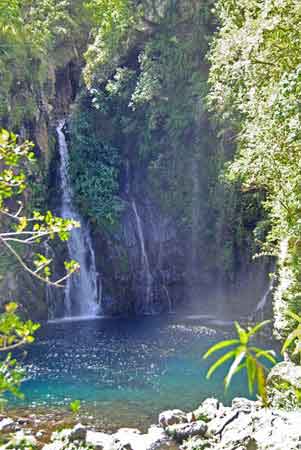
245,425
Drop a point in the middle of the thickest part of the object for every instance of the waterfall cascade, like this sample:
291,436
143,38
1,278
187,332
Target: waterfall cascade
261,304
259,311
147,276
81,291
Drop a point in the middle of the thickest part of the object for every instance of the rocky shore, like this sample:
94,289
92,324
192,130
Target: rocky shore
245,425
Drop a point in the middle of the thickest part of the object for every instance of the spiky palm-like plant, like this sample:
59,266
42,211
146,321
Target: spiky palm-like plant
245,356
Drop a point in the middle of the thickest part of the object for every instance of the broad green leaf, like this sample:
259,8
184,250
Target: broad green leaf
219,362
243,335
236,363
293,316
11,307
219,346
291,337
251,372
268,354
261,384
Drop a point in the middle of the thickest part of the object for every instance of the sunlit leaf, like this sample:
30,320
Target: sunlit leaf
219,346
219,362
241,353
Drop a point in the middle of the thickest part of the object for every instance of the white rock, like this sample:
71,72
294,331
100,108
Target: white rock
191,417
244,404
78,433
251,428
6,423
208,410
286,371
182,431
21,437
171,417
39,434
99,440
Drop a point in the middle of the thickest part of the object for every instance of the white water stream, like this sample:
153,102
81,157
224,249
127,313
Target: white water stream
263,301
144,261
81,291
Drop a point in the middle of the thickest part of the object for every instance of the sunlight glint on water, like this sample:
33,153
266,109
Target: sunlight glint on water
140,366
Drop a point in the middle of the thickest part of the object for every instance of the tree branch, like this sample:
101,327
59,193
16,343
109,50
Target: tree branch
29,270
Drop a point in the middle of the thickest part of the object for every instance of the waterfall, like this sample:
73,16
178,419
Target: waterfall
81,291
147,276
169,301
258,313
261,304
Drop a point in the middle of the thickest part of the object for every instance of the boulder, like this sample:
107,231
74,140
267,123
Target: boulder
264,429
277,430
99,441
284,385
236,432
208,410
78,433
183,431
154,439
247,426
6,424
172,417
243,404
128,439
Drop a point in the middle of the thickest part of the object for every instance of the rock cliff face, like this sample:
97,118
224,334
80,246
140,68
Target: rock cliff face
51,99
180,238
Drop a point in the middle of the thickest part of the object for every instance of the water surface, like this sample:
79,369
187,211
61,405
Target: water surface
124,371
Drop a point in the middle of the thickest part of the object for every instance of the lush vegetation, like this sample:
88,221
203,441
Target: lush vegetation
94,167
145,108
14,333
150,96
140,127
255,83
31,33
18,231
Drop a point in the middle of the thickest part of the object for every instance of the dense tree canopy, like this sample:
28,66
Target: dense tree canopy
255,81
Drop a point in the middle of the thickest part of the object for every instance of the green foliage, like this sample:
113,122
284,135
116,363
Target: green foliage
114,22
16,160
11,376
14,333
154,112
294,338
245,356
13,158
94,169
255,83
35,35
75,406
